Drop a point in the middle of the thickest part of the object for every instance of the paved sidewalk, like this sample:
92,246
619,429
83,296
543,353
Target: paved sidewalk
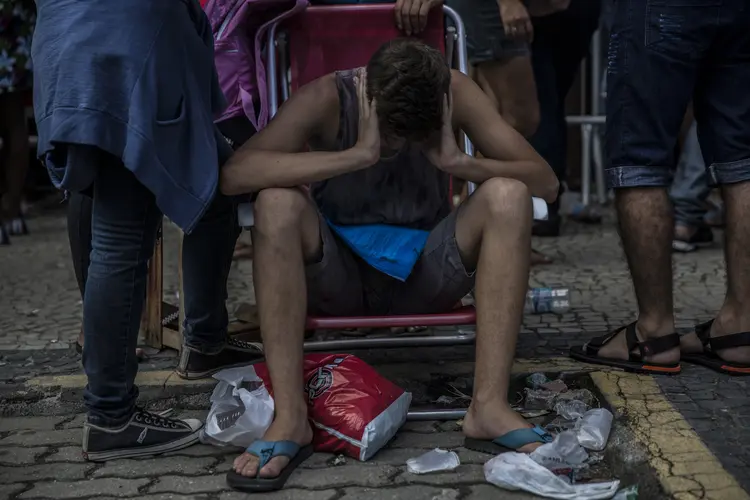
694,427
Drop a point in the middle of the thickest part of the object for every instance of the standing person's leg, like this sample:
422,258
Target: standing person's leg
722,110
503,65
689,193
15,135
124,223
651,76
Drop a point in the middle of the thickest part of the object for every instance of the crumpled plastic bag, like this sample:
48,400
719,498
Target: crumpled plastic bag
563,452
517,471
241,409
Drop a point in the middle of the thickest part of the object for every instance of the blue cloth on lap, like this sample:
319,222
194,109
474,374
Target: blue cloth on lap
392,250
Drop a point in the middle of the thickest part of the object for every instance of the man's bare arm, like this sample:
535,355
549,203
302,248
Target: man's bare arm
276,156
506,153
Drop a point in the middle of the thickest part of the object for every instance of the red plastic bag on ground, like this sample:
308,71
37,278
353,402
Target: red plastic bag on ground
354,410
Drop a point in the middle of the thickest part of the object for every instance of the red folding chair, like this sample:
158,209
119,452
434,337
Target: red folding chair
324,39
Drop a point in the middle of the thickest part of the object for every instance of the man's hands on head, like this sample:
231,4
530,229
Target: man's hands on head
411,15
516,20
442,150
368,135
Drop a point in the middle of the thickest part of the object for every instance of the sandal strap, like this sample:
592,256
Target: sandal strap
648,347
703,331
741,339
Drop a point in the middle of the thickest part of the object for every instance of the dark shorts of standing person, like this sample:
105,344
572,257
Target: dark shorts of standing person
662,54
342,284
485,36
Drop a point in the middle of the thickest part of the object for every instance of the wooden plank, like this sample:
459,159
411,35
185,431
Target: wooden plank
151,321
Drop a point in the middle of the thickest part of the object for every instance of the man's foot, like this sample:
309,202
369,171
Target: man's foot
722,345
297,431
242,251
143,435
689,238
538,258
634,349
485,426
196,365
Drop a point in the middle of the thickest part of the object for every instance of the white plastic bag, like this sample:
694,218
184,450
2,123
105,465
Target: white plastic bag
563,452
517,471
241,409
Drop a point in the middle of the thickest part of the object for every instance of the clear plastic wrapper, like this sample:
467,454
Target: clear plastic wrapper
570,409
436,460
563,452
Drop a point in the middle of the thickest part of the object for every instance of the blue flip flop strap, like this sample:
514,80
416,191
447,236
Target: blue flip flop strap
521,437
266,450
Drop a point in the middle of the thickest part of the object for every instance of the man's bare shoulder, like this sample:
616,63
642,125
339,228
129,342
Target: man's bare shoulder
318,102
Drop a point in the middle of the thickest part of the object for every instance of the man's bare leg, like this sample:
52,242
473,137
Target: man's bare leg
493,232
646,226
734,316
511,84
285,236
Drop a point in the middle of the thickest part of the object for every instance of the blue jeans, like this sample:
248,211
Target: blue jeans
662,54
690,187
124,224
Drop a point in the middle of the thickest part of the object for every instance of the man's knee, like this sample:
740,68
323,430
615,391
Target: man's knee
512,83
278,209
522,115
505,200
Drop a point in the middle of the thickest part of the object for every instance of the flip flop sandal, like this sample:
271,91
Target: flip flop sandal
265,451
710,359
589,353
511,441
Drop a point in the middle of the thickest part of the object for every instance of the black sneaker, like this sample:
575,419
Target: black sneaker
143,435
703,236
196,365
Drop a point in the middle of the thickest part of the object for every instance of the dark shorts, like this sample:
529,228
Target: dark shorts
662,55
485,37
342,284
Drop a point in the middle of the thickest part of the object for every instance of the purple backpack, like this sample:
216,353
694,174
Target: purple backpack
240,28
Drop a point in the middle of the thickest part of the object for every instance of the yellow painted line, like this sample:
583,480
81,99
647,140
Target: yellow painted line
686,467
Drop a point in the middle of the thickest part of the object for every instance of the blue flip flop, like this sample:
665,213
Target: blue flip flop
511,441
265,451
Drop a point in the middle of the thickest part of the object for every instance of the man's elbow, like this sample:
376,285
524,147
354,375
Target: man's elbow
229,184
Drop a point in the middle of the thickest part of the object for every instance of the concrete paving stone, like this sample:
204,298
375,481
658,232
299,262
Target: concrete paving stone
190,484
76,422
491,492
167,496
45,472
46,438
154,467
404,493
464,474
446,440
285,494
204,450
8,490
365,475
94,488
30,423
19,455
66,454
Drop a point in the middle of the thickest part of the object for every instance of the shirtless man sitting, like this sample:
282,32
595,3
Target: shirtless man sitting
382,147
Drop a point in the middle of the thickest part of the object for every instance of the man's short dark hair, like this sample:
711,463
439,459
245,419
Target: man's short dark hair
409,79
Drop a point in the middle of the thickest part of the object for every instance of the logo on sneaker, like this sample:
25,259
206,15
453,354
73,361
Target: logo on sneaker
321,380
142,436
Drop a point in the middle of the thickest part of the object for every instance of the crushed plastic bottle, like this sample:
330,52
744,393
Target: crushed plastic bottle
563,452
433,461
536,380
571,409
593,428
539,399
547,300
584,395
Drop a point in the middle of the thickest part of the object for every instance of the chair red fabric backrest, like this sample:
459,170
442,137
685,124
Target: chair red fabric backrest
323,39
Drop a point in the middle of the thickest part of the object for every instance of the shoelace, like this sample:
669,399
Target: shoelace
149,418
250,346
